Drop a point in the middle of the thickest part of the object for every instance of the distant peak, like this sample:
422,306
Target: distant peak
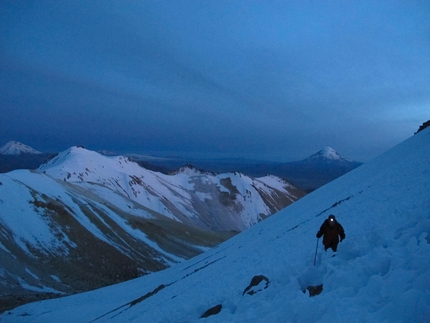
330,153
17,148
74,152
328,149
327,154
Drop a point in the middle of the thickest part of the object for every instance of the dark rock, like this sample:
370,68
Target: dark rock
258,283
212,311
314,290
423,126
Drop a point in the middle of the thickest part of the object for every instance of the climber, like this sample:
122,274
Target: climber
331,230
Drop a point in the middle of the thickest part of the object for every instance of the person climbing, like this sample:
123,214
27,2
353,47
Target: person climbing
331,230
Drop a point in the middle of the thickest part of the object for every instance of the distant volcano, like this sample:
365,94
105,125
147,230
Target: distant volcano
17,148
327,154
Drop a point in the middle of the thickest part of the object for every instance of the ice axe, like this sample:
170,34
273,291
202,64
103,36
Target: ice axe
316,249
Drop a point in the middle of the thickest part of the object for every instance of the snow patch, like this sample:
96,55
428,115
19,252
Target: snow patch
28,271
42,289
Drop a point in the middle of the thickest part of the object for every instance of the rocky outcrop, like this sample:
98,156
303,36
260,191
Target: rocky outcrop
258,283
423,126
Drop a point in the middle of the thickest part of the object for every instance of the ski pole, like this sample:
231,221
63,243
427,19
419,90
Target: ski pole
316,249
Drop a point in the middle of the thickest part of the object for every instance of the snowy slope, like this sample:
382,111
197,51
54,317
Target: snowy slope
380,274
91,221
17,148
229,201
56,238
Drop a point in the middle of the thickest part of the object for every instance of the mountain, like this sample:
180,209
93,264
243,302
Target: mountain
309,174
15,155
82,221
265,274
17,148
188,195
317,170
327,155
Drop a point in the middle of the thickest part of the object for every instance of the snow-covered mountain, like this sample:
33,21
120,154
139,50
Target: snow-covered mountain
83,220
316,170
380,273
17,148
309,174
15,155
327,154
217,202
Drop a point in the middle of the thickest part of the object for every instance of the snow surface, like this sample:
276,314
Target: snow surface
380,273
28,226
17,148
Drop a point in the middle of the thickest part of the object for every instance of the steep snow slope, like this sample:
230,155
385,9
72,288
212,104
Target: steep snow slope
380,273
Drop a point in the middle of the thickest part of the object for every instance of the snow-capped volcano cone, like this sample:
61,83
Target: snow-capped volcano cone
17,148
327,154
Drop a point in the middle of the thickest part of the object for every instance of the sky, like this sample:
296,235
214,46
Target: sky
272,80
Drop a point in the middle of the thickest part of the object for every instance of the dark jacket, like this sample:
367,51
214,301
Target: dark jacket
331,234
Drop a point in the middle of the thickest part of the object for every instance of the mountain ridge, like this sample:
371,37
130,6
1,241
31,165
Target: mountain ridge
126,177
92,220
309,174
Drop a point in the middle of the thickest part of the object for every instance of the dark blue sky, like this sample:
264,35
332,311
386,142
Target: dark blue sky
272,80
